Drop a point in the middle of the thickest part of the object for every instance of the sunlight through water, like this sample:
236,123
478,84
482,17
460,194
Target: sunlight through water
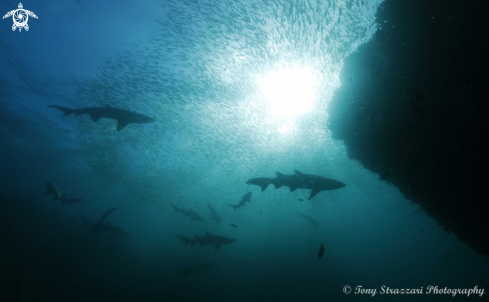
289,92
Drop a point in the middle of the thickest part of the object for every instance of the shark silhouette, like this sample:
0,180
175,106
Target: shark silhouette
53,190
123,117
244,199
193,215
207,239
299,180
101,227
309,219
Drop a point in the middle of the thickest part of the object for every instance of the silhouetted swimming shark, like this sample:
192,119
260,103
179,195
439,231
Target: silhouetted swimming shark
215,216
208,239
244,199
101,227
123,117
189,213
53,190
313,222
299,180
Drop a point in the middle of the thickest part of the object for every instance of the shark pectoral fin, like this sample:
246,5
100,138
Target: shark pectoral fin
95,117
313,193
217,247
121,124
293,188
66,111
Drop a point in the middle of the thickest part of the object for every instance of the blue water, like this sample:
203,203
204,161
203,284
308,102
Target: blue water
200,68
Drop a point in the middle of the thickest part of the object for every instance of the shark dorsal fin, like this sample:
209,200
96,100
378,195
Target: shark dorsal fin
297,172
208,234
279,174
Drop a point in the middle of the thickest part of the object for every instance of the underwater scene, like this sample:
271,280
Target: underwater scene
183,150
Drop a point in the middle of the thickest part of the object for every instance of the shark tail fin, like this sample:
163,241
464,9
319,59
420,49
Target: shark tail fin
66,111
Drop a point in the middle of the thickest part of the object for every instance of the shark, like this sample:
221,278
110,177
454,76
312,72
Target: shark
309,219
101,227
53,190
215,216
192,270
207,239
299,180
193,215
244,199
123,117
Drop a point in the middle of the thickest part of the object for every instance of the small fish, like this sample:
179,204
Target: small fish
321,251
234,226
422,230
300,199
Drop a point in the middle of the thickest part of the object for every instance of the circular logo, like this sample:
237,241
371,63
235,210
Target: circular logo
347,289
20,18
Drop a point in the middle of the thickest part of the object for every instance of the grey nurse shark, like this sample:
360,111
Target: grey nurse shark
299,180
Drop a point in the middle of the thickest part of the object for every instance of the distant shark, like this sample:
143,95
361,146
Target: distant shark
244,199
208,239
299,180
123,117
193,215
215,216
192,270
309,219
101,227
53,190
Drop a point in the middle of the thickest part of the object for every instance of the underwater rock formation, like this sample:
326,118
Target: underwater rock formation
413,102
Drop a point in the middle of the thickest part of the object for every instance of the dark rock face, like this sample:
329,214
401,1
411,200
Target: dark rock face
415,100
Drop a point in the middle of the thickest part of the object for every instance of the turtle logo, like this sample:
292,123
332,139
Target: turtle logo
20,17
